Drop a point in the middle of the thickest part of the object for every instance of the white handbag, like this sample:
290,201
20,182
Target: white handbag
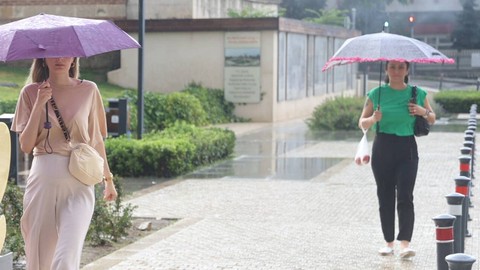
85,163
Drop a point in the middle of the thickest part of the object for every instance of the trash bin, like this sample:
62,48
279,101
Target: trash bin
7,118
118,120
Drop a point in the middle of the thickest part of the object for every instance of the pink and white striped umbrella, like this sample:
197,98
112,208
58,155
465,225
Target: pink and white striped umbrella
385,47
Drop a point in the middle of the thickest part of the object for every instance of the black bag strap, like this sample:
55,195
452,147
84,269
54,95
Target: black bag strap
414,94
60,119
377,128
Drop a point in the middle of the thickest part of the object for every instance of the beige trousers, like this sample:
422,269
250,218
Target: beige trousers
57,210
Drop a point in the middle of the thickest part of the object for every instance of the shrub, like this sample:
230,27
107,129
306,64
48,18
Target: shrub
341,113
174,151
7,106
163,110
213,101
110,221
456,101
13,209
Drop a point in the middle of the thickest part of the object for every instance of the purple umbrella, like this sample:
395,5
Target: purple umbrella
51,36
385,47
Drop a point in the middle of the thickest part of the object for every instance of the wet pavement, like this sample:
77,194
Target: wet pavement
290,199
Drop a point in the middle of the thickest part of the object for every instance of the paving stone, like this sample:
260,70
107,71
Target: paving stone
329,222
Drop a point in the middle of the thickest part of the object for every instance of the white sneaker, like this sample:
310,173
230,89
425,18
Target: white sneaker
407,253
385,251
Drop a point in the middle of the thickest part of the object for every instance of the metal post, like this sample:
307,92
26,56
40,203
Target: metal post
441,82
455,201
462,184
460,261
444,236
141,35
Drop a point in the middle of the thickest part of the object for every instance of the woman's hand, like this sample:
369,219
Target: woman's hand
110,193
415,109
44,93
377,115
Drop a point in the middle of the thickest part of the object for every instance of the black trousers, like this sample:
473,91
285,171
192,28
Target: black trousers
394,165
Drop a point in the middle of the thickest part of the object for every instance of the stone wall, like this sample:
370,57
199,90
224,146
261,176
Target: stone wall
105,9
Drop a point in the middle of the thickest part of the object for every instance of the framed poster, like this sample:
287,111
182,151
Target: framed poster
242,67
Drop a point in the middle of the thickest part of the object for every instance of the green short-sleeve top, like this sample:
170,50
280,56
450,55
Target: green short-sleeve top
396,118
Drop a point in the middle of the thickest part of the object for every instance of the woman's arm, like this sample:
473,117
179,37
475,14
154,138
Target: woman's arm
426,111
369,117
28,137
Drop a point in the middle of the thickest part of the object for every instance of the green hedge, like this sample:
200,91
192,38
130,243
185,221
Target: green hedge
341,113
217,109
457,101
8,106
175,151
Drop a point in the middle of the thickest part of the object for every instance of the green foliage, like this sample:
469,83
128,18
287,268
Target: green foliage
341,113
250,12
163,110
180,106
8,106
195,104
457,101
333,17
12,209
176,150
465,36
371,14
211,144
217,109
296,9
110,220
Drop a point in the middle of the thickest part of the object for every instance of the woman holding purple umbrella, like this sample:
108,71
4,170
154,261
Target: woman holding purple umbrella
394,152
57,207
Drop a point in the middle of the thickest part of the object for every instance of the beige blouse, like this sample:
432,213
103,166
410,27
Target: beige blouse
81,108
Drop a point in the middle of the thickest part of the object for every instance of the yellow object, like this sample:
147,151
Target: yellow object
3,230
5,154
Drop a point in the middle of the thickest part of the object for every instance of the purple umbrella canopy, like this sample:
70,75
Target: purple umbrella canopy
51,36
385,47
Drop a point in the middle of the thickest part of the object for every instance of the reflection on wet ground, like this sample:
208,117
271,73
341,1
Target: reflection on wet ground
264,154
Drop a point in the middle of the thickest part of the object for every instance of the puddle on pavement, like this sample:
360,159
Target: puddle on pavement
262,154
267,168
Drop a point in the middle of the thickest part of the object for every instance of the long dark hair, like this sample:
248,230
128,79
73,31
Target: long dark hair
387,79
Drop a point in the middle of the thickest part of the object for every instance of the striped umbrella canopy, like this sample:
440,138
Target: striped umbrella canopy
385,47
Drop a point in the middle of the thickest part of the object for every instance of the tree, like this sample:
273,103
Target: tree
297,9
465,35
371,14
334,16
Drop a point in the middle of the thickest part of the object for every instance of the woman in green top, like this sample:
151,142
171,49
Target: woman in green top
394,153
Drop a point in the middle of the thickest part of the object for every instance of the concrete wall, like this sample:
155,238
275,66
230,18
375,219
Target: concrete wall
128,9
18,9
174,58
192,9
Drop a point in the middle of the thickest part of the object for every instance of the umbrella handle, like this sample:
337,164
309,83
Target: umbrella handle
47,124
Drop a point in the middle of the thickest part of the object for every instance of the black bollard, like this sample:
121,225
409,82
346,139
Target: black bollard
462,186
444,236
465,150
465,165
460,261
455,201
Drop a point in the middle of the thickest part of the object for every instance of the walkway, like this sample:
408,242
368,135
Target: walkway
326,221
